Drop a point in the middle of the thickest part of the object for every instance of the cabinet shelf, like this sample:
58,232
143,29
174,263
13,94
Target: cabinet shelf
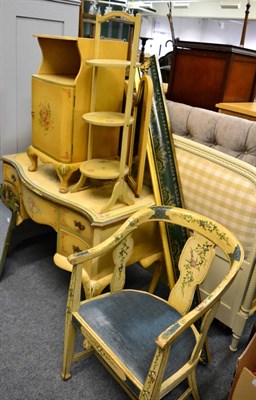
102,169
107,118
108,63
68,80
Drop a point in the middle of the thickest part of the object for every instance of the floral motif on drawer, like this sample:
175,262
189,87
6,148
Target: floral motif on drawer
39,209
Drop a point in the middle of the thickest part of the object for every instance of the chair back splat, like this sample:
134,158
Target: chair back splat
149,344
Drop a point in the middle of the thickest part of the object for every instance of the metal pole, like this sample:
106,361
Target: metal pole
248,5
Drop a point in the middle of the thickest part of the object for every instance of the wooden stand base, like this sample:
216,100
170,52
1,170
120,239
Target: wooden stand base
105,170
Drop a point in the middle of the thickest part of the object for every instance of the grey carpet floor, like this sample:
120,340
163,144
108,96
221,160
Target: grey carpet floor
33,294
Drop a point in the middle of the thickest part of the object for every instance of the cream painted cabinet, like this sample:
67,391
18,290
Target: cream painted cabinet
61,94
52,118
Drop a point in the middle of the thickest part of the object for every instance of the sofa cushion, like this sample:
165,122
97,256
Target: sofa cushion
231,135
201,126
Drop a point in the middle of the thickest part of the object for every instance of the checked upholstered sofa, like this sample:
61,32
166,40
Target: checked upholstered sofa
216,159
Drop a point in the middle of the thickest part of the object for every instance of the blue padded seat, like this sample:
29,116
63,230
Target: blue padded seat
116,317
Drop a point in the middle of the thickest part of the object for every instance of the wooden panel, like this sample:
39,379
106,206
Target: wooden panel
204,74
195,76
52,122
241,81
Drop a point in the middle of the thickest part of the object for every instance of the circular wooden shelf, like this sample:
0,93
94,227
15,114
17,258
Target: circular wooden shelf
108,63
106,118
102,169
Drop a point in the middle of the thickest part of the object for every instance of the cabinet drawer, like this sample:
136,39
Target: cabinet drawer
39,209
76,222
12,190
69,243
10,175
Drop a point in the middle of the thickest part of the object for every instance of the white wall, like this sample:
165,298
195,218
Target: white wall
195,29
20,57
209,9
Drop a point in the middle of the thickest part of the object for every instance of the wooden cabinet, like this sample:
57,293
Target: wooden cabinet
61,94
204,74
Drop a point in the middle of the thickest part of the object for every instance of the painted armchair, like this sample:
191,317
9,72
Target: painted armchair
149,344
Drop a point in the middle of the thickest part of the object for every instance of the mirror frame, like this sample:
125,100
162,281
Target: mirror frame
164,170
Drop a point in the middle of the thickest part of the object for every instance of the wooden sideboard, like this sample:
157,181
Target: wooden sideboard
204,74
242,110
74,216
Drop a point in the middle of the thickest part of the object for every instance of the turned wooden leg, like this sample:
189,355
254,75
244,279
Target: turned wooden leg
245,311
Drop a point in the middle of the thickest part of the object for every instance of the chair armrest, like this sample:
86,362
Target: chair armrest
102,248
173,331
168,336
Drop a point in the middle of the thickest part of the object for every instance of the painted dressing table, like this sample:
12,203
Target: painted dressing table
74,216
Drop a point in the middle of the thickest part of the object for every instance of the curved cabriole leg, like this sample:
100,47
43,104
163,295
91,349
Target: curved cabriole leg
64,173
33,158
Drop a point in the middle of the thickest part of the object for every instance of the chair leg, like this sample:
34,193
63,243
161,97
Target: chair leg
69,343
193,384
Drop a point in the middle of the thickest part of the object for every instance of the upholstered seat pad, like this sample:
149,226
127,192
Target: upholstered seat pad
129,322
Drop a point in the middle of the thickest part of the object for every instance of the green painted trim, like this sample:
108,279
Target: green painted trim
165,162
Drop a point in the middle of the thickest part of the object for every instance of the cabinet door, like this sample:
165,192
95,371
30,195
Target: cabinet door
52,118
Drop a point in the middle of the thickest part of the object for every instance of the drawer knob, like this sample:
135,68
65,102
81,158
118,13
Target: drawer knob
13,178
79,226
76,249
